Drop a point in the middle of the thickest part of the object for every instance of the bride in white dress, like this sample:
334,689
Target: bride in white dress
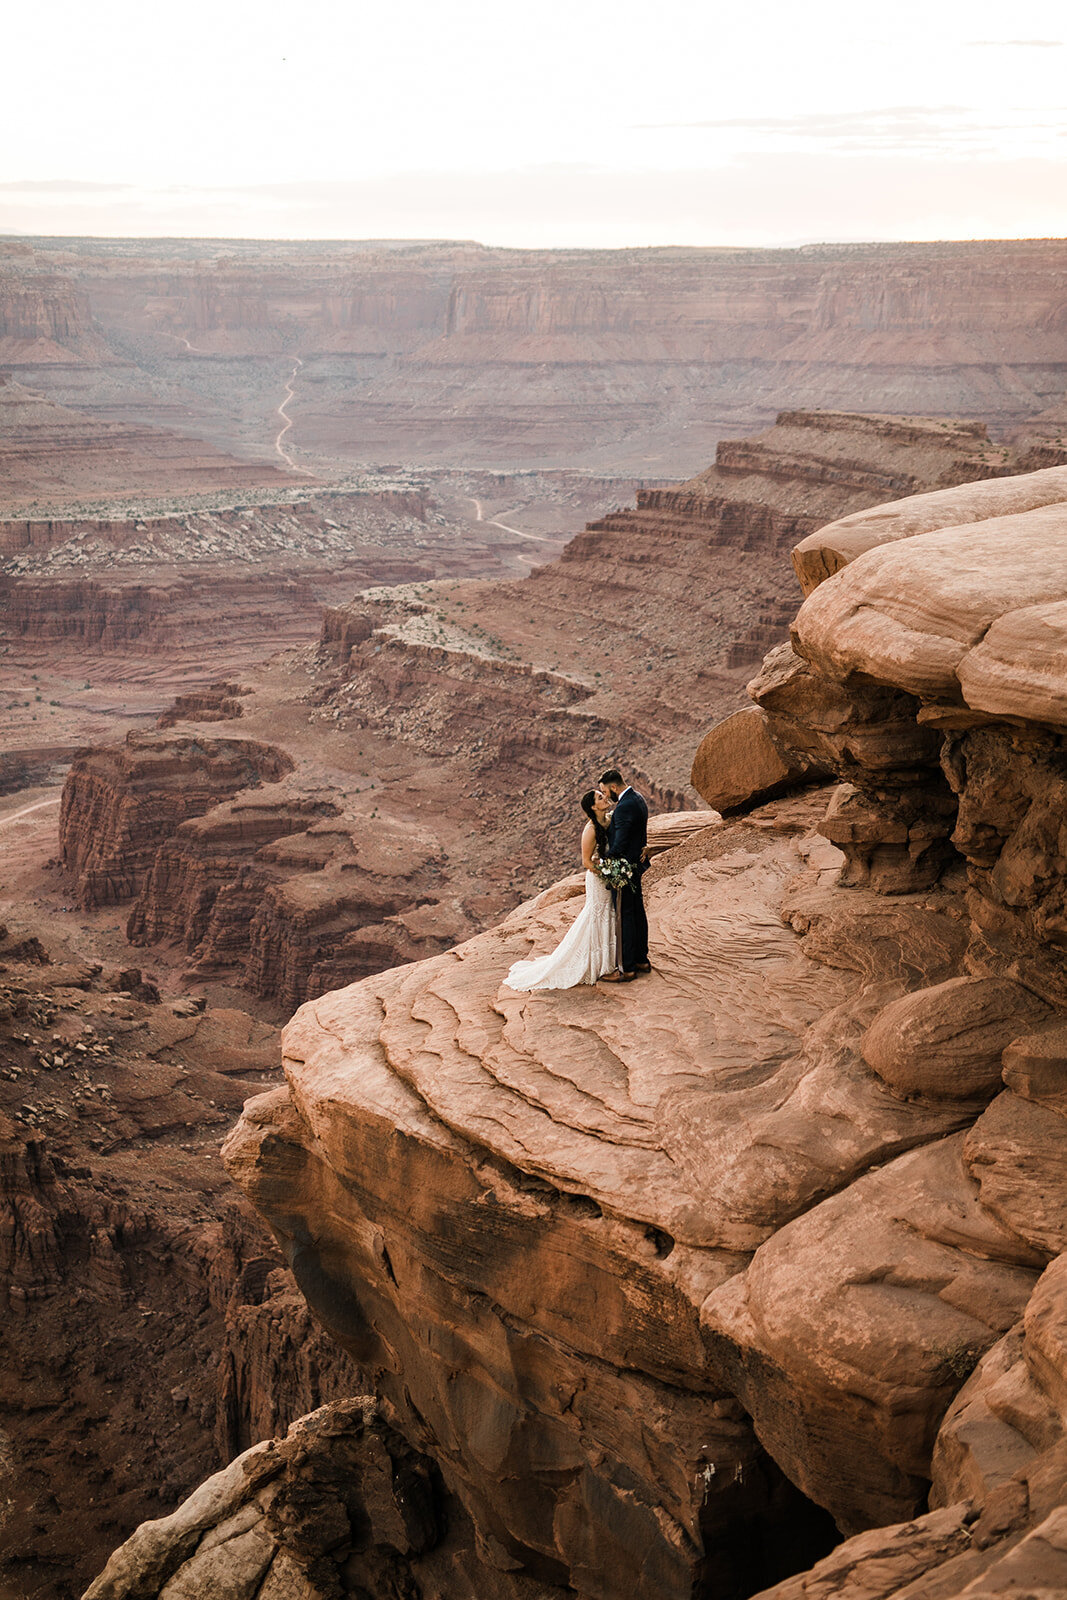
587,950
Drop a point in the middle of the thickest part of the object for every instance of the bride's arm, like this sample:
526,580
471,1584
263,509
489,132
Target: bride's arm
589,847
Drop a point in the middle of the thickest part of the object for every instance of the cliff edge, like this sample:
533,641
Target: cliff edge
678,1283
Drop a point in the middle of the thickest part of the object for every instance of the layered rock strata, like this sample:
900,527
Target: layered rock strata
765,493
760,1213
249,867
119,802
178,584
295,895
629,644
458,354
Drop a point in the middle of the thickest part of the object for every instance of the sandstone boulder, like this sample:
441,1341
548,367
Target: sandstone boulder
947,1041
740,763
1008,1421
1012,793
832,547
1035,1066
1017,1153
908,614
845,1336
862,732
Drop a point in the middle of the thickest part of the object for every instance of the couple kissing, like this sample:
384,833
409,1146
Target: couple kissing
608,941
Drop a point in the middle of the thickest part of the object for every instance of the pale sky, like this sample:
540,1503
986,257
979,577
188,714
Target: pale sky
572,122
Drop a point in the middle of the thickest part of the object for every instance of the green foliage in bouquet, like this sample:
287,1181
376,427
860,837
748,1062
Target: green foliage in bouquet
616,873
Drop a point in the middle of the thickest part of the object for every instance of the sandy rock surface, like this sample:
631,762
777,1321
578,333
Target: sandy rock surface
912,613
825,552
595,1165
699,1273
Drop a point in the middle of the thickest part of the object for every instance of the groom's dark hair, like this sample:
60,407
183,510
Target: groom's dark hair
613,775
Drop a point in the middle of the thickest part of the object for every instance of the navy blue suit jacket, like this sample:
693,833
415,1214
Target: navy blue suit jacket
628,829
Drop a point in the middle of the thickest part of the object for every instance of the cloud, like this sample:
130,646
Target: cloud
878,123
824,121
882,131
72,186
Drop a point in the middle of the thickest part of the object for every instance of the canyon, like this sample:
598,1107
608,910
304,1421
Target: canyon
354,806
150,1328
631,363
678,1284
528,1296
242,847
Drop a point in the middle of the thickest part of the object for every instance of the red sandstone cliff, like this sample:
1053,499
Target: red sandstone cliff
119,803
774,1212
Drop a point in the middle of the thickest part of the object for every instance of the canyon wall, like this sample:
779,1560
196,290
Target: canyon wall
149,1329
118,803
715,1253
246,865
226,583
468,695
438,353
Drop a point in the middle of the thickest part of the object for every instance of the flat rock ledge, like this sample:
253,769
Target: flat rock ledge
676,1283
550,1223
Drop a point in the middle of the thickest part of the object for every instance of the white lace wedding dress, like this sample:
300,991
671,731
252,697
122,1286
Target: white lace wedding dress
584,954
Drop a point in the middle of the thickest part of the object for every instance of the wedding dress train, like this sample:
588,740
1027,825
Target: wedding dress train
584,954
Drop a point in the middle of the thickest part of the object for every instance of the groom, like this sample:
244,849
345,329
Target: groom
627,837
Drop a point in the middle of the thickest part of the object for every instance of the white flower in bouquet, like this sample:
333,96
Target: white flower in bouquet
616,872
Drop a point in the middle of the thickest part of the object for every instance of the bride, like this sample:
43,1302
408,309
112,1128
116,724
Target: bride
587,950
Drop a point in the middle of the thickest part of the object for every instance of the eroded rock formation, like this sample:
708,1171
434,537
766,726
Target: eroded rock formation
341,1505
120,802
719,1249
244,865
148,1327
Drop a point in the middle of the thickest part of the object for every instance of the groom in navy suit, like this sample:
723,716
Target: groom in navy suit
627,837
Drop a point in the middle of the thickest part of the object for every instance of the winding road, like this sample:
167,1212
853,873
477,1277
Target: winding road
287,422
194,349
520,533
13,816
493,522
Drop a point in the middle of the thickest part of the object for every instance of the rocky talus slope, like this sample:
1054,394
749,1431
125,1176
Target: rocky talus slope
663,1278
48,450
149,1329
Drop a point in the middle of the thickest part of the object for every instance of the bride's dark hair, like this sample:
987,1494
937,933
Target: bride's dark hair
601,831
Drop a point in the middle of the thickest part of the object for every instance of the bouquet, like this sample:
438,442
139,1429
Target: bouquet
616,873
